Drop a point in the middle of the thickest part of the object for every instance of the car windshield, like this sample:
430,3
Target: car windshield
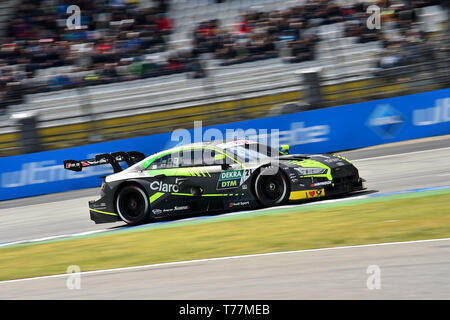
251,152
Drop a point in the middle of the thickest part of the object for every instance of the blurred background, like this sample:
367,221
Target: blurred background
139,67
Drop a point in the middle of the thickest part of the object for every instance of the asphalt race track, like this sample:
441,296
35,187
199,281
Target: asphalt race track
417,270
414,270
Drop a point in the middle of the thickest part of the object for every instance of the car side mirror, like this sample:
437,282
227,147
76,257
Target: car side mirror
284,149
220,159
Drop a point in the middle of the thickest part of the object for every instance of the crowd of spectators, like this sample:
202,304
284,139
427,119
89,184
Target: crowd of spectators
405,41
248,41
45,49
260,34
123,40
410,48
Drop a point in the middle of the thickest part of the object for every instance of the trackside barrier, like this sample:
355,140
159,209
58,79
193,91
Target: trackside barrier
324,130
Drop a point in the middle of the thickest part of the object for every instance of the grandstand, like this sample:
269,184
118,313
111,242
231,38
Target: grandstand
149,64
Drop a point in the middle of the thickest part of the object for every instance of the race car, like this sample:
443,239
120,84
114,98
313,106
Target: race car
213,176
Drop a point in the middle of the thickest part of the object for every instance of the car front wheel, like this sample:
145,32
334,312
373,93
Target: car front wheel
271,190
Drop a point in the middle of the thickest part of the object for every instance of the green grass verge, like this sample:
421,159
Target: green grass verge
375,221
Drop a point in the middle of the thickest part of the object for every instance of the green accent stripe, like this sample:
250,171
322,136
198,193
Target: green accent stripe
151,159
203,195
156,196
201,171
109,213
196,172
169,172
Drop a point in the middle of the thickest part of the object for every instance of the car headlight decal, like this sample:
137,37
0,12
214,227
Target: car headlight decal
305,171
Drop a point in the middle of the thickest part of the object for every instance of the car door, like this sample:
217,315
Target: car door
224,181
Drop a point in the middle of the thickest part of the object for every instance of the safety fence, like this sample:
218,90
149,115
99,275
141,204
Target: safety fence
141,120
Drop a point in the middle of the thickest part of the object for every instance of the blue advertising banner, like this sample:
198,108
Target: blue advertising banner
317,131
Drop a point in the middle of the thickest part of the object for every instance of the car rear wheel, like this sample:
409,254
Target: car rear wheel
271,190
132,205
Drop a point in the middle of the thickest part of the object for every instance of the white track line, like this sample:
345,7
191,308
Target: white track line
62,236
150,266
401,154
444,174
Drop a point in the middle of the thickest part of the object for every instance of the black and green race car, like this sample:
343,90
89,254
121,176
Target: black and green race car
213,176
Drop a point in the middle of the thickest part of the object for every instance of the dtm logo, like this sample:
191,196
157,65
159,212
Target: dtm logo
232,179
385,121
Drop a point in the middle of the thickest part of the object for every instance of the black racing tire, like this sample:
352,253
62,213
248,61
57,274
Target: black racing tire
132,205
271,190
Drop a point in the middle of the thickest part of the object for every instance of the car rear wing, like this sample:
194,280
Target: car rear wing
113,158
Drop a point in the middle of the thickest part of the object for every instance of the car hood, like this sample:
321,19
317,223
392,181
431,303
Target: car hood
314,160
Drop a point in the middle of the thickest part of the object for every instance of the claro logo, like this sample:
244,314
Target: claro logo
164,187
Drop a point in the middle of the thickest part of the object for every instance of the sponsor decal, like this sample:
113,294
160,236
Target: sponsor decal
166,210
100,206
385,121
47,171
232,179
438,114
306,194
293,177
164,187
331,160
337,161
235,143
238,204
299,134
317,184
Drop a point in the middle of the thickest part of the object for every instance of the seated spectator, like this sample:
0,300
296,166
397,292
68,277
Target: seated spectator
390,60
163,24
60,81
195,68
123,69
302,50
109,72
152,67
173,64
